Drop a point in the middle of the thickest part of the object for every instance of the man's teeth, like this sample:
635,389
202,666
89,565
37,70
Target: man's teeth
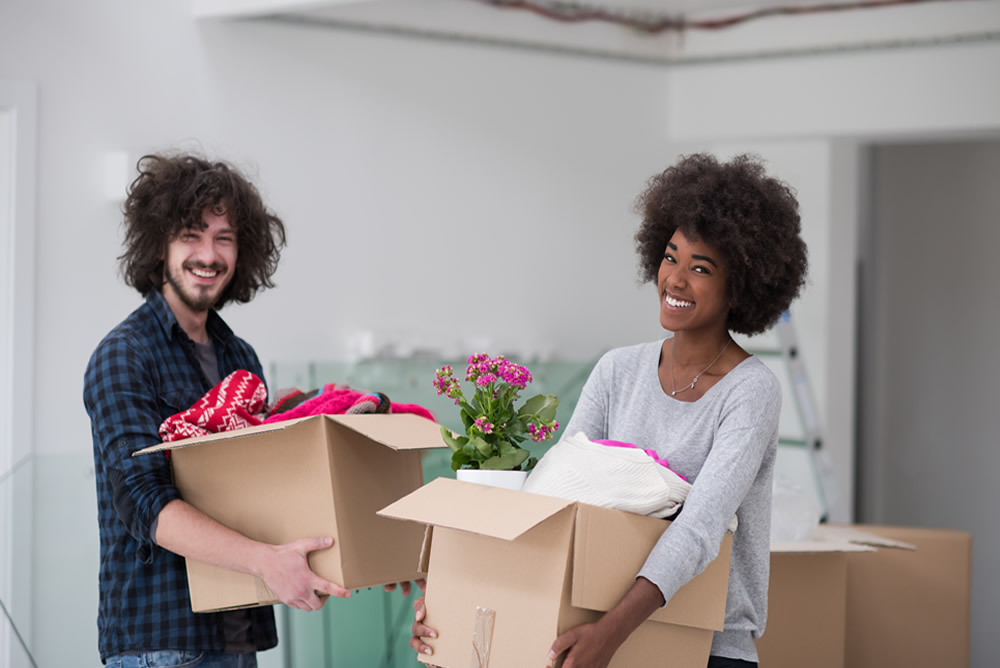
677,303
204,273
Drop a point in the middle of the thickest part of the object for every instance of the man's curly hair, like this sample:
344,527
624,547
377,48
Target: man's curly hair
751,219
169,196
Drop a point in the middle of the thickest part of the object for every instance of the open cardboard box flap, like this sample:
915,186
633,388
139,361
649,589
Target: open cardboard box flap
402,431
479,509
611,546
827,538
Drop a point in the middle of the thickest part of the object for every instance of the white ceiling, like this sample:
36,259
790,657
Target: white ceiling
477,21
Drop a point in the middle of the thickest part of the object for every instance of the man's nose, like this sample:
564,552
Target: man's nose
205,251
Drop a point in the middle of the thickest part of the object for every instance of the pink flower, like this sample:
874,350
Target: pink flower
485,379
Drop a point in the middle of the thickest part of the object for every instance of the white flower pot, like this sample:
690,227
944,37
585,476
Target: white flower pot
506,479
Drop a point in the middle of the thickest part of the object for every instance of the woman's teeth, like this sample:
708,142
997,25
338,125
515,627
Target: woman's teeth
677,303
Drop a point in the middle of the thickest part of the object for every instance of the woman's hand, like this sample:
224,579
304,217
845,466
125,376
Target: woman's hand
593,645
420,630
586,646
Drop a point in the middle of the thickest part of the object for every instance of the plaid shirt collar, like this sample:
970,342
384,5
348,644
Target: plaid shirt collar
216,326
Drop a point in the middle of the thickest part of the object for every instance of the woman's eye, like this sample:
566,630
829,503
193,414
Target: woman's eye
667,257
702,270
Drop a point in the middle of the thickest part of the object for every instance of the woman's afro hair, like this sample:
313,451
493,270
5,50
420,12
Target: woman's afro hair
749,218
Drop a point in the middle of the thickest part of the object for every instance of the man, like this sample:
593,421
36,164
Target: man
197,236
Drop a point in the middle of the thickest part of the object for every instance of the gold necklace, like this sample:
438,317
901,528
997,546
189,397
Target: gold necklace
674,391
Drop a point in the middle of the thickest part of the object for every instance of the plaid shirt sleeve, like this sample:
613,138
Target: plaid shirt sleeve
119,394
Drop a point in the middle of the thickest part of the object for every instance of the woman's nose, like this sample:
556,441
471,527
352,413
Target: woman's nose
677,278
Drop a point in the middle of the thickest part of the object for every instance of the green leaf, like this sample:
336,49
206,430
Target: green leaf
533,405
506,448
548,414
542,405
530,464
467,419
508,462
455,443
482,446
458,460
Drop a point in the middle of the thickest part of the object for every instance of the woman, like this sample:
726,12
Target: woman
721,242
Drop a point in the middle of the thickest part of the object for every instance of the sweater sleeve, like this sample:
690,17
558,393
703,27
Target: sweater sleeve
591,413
746,431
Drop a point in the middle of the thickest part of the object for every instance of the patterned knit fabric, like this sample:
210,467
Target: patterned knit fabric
239,401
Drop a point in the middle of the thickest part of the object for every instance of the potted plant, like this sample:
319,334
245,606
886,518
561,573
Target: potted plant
495,427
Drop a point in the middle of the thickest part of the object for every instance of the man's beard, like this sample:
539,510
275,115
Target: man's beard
204,300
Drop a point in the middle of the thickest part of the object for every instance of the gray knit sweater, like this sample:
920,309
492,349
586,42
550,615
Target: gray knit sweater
725,443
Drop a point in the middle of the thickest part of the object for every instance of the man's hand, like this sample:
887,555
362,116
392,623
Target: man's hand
404,587
587,646
419,630
285,570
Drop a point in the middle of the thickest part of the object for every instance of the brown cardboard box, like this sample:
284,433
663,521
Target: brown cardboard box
910,608
324,475
808,608
509,571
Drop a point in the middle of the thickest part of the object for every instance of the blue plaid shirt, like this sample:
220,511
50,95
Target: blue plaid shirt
144,371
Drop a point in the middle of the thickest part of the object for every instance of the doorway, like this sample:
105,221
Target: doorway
929,410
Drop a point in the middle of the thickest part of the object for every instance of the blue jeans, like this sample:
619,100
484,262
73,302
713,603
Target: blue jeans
172,658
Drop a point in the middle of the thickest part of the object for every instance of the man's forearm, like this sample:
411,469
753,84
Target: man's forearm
185,530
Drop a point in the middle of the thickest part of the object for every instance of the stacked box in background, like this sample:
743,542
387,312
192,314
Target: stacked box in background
869,597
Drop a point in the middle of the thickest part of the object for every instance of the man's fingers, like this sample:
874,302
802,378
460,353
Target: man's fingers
418,609
333,589
405,591
422,583
308,545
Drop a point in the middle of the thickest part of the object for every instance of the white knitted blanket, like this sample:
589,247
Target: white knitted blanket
627,479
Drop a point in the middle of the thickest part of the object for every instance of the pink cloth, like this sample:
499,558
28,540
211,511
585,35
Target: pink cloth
649,451
336,400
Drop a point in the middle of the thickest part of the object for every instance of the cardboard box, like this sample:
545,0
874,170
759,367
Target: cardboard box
509,571
324,475
910,608
808,597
